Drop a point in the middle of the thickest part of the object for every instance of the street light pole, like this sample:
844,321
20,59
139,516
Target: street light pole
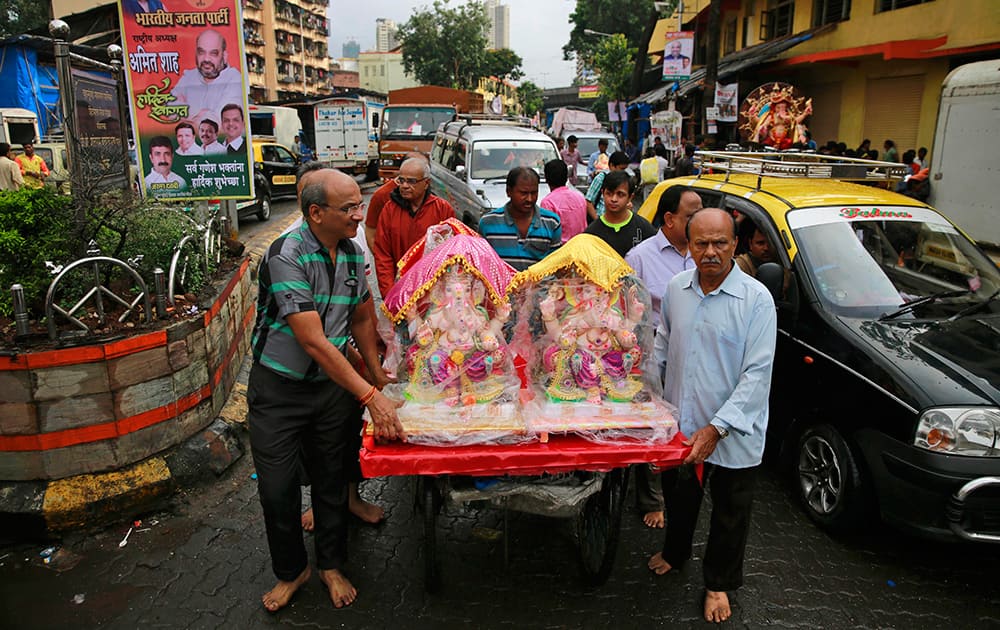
598,33
115,54
60,31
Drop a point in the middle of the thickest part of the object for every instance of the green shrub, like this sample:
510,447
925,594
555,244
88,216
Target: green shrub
36,225
40,225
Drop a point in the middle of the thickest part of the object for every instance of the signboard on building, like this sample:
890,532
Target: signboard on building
188,99
589,91
667,126
727,101
677,56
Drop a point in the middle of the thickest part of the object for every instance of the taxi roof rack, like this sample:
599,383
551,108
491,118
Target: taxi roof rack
794,164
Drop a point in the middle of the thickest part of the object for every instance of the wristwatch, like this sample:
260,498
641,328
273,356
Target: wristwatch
723,433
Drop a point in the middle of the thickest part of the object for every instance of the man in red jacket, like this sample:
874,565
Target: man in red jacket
411,209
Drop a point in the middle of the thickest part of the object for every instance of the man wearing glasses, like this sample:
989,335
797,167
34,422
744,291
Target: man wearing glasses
411,209
303,392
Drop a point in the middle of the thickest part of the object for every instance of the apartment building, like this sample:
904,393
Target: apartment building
286,46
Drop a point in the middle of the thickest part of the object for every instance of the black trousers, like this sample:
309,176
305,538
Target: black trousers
732,492
294,423
648,494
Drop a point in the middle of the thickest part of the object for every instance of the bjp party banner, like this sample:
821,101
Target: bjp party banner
188,98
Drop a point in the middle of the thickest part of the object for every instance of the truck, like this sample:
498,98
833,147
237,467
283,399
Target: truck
277,121
18,125
966,137
412,117
346,134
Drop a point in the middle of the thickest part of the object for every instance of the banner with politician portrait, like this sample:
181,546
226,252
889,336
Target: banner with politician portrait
677,56
184,60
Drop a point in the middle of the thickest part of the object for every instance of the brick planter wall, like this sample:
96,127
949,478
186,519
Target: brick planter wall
104,407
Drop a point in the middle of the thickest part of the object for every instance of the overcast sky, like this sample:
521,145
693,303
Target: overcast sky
538,31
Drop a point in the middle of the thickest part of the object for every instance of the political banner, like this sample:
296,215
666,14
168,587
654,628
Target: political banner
188,98
677,56
727,101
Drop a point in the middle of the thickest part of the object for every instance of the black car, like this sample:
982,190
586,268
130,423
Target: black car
275,177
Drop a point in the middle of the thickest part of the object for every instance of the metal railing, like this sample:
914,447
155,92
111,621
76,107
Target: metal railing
788,164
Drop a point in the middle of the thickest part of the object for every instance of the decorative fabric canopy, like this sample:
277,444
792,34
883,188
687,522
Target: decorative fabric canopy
473,253
447,228
587,255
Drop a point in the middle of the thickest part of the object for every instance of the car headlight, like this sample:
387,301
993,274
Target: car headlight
971,431
388,162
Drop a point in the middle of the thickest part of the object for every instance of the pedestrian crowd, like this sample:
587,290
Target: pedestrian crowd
316,357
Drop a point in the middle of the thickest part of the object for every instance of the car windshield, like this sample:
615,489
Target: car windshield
873,261
407,122
586,146
495,158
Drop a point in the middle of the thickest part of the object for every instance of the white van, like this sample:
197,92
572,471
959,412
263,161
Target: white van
965,148
281,123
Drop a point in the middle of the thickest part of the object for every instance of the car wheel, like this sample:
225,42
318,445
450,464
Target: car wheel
828,480
264,207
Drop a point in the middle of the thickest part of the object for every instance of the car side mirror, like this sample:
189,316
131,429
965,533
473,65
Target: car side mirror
772,276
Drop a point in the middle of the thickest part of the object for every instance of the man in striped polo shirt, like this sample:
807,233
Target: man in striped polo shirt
303,392
521,232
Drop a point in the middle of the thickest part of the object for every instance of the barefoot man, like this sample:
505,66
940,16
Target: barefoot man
719,327
367,512
303,392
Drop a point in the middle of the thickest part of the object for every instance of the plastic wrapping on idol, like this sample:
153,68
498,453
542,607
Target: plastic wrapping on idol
454,368
583,326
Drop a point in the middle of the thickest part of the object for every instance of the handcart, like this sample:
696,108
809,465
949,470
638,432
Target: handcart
599,518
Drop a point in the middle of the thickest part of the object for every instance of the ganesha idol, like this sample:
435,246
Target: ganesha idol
589,310
449,309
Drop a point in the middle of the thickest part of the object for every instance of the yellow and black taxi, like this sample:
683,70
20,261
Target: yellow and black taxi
886,387
274,173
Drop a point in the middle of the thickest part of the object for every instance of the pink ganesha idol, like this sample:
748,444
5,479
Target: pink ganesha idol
454,307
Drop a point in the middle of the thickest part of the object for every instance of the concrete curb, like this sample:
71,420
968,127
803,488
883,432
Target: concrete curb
39,510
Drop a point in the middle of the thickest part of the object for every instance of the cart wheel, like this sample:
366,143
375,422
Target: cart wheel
432,574
600,527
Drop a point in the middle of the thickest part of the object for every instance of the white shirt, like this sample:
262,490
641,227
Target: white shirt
173,178
214,149
235,144
193,150
198,94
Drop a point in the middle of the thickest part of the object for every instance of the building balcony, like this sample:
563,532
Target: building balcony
253,38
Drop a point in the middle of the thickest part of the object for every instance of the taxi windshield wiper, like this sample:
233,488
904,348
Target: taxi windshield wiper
968,310
927,299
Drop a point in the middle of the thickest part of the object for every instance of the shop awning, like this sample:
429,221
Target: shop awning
729,65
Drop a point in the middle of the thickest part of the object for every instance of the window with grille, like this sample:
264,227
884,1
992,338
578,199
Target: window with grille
777,21
830,11
892,5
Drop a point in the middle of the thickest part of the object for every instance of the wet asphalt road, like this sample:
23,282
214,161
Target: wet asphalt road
203,563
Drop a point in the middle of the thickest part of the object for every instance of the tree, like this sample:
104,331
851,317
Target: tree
628,17
613,61
445,46
530,96
503,63
21,16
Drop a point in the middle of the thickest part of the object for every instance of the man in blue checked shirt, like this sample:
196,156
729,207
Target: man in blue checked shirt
720,327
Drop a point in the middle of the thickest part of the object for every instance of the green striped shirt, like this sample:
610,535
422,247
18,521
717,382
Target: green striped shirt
296,275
